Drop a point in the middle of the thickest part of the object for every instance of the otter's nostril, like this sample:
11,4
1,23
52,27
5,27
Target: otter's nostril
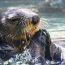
35,20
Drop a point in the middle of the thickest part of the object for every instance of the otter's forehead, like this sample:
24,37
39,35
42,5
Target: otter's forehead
23,12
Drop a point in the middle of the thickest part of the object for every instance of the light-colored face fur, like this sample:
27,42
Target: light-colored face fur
17,22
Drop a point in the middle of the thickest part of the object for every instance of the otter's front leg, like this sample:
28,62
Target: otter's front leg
52,53
38,53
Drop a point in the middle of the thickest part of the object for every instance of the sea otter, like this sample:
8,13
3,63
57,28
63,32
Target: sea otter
19,30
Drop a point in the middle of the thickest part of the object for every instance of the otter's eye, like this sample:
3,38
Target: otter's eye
35,20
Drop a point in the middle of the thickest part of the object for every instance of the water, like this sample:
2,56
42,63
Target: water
55,24
8,3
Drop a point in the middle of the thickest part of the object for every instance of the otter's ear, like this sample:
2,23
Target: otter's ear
35,20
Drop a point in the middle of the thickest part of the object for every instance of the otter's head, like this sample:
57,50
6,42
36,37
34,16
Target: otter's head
20,25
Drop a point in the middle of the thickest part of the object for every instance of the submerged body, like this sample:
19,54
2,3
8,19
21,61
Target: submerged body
19,30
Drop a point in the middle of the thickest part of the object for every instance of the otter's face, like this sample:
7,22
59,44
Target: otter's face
20,24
